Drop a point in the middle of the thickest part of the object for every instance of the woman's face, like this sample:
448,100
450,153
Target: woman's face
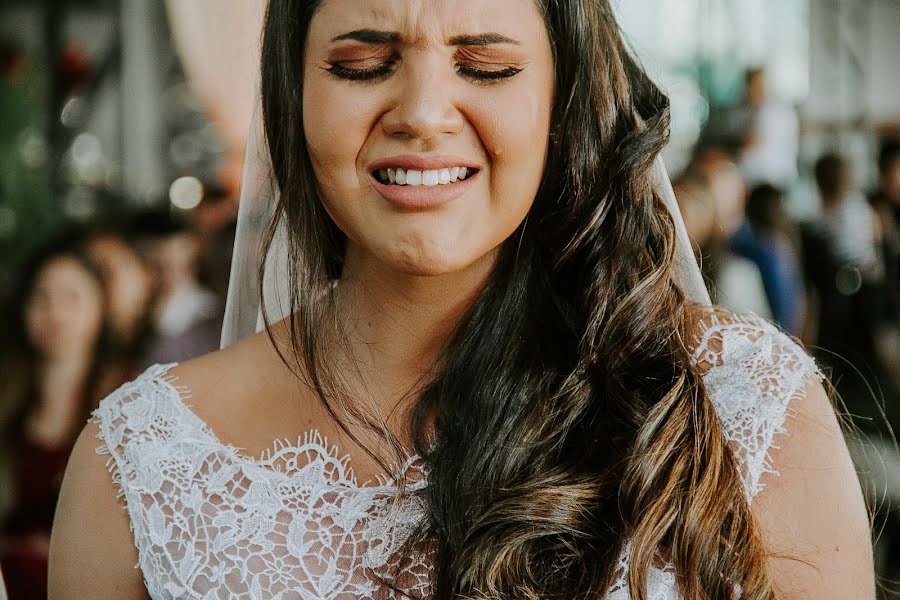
64,311
400,96
126,279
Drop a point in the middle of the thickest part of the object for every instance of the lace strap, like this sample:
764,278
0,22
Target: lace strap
138,421
134,423
136,410
753,373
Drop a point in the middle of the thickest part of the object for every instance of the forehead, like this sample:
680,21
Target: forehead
431,21
63,270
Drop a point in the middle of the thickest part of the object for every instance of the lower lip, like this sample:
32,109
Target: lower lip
421,197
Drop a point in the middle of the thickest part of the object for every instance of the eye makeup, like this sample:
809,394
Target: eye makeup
368,63
386,68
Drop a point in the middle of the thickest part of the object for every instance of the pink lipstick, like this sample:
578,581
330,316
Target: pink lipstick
415,181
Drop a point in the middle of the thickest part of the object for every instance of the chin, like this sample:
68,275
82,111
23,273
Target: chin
423,266
430,260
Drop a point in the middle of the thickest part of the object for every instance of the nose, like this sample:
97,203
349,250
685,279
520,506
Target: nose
424,107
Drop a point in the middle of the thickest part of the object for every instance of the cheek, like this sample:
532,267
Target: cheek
514,130
336,124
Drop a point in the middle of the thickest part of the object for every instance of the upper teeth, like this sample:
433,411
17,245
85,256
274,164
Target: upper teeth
432,177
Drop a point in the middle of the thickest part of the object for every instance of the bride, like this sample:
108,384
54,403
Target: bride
499,376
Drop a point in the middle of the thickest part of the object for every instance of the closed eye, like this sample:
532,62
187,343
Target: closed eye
373,72
487,74
386,68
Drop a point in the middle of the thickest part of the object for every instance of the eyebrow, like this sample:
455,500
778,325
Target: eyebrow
374,36
481,39
370,36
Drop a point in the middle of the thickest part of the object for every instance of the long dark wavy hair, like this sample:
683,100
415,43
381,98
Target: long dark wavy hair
20,360
564,416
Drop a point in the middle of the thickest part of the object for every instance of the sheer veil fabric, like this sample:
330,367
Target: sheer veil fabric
259,198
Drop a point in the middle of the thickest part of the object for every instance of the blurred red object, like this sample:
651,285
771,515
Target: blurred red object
75,67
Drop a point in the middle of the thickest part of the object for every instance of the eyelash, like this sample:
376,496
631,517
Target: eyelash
386,68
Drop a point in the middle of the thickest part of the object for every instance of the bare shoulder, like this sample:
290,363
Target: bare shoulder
247,394
219,371
811,512
93,550
805,495
92,554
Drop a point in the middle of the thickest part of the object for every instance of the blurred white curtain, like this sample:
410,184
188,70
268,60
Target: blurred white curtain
219,44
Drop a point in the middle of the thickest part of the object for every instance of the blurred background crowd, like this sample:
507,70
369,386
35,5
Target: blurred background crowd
122,130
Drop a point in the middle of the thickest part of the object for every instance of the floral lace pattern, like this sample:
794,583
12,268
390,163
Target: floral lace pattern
753,372
210,523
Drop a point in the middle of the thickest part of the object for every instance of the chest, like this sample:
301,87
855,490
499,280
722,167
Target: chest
209,525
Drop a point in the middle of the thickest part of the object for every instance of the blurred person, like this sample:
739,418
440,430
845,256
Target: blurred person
727,188
697,209
129,293
845,266
718,199
888,191
765,238
53,373
205,334
760,134
845,272
771,142
848,221
886,202
172,251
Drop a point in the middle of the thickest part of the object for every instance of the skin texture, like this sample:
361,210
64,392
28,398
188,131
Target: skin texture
409,276
812,515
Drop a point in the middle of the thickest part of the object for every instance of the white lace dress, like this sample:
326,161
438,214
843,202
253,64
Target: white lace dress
211,523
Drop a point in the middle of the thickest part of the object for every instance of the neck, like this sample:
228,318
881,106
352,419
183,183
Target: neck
397,323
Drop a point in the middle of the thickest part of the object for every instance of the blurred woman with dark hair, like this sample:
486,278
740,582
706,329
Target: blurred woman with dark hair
52,377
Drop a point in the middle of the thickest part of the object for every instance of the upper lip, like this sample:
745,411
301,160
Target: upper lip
421,163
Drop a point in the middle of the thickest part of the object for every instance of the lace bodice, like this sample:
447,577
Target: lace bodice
210,523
